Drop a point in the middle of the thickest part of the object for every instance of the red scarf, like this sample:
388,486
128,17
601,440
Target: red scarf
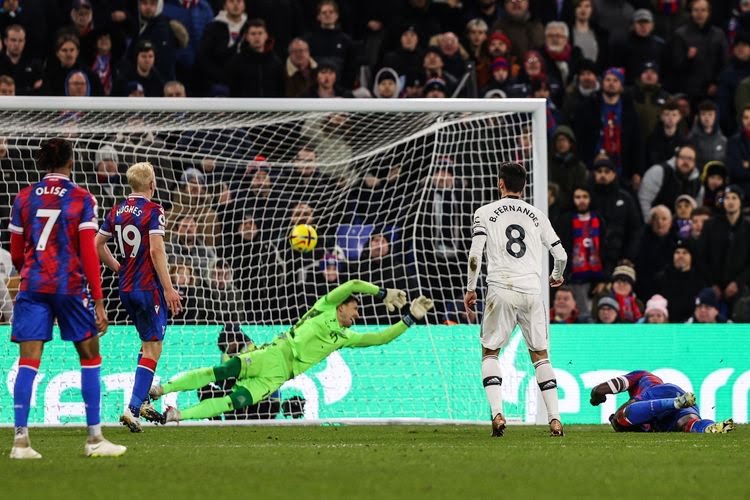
586,264
190,3
629,310
669,7
563,55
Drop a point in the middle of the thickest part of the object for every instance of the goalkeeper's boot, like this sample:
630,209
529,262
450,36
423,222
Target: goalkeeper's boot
684,400
556,428
103,448
155,392
171,414
150,413
498,425
22,449
721,427
130,421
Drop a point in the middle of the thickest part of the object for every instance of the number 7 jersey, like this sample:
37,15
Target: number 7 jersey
131,222
518,235
49,215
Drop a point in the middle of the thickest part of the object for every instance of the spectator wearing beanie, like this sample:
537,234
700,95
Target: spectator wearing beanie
610,125
683,209
714,180
607,311
386,84
143,72
496,46
585,86
155,27
656,310
408,56
639,46
618,207
706,134
729,81
724,248
501,80
565,168
707,308
629,307
648,96
681,281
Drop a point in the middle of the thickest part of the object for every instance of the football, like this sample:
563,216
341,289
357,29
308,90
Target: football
303,237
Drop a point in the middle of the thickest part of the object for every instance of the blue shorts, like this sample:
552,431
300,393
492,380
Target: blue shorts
667,391
34,315
148,311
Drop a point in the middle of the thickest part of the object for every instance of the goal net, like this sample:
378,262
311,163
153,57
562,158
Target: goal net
390,188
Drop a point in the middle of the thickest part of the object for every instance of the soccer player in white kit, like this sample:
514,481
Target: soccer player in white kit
516,234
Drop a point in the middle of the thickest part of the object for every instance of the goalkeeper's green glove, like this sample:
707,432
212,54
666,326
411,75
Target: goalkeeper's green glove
393,298
418,310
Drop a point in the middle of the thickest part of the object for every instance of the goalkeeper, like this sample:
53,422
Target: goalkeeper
322,330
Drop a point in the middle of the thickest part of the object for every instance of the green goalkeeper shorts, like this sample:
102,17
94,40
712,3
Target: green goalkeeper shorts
265,370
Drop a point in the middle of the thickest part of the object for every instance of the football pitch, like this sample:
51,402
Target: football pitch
351,462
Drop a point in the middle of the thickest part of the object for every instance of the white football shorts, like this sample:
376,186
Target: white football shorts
504,309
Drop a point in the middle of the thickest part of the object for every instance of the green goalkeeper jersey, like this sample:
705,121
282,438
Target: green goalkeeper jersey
318,333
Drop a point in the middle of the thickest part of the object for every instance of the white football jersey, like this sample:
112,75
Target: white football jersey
518,237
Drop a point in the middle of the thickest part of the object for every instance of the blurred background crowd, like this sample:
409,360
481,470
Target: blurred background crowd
648,121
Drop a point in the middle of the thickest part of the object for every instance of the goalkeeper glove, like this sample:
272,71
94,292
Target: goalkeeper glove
393,298
418,310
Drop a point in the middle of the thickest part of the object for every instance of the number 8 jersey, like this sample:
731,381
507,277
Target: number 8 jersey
130,223
517,235
49,215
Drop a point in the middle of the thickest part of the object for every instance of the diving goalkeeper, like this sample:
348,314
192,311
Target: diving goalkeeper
322,330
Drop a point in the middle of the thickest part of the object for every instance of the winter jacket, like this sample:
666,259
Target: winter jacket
693,76
255,74
662,184
711,145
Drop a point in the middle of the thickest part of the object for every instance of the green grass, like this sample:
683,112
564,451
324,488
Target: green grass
244,463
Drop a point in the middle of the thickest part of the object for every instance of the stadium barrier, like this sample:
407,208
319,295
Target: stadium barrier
420,377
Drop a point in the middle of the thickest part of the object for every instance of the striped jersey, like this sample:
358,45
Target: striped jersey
131,222
49,215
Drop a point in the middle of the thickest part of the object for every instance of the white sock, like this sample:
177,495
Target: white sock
492,379
545,377
21,435
95,430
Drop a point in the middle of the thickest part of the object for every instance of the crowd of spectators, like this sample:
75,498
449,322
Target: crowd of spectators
648,107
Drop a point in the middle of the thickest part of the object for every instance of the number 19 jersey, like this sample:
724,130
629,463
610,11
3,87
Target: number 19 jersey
518,236
131,223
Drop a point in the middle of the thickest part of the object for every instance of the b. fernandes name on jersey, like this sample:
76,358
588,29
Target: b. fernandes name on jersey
513,208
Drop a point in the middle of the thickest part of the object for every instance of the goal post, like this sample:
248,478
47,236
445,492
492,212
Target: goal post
390,185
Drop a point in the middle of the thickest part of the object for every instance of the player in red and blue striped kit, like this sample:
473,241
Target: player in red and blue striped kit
655,406
146,291
52,227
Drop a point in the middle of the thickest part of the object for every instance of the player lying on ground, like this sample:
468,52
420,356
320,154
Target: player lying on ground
655,406
146,290
322,330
